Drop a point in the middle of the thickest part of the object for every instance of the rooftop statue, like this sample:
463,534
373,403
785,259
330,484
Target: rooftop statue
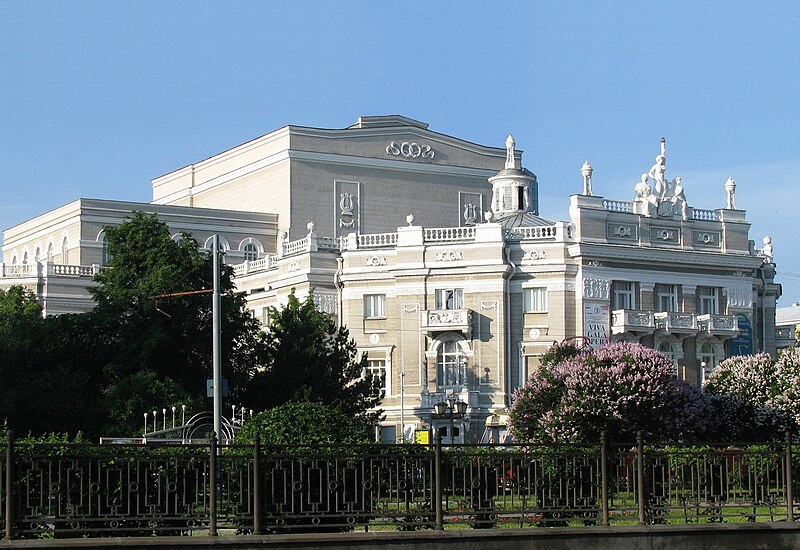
666,198
645,203
730,191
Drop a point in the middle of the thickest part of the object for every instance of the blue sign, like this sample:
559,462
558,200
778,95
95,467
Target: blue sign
742,344
210,387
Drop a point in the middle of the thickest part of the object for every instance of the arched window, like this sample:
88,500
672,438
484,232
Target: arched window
451,365
49,252
104,255
707,360
25,258
64,251
37,254
667,349
250,252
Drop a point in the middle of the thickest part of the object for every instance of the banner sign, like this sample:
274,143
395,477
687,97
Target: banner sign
597,323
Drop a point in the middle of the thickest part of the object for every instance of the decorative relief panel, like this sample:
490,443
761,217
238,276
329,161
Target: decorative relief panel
533,255
622,231
293,266
740,297
346,211
596,289
665,235
706,238
565,287
375,261
410,150
449,256
326,303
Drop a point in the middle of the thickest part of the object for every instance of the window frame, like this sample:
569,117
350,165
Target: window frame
538,305
374,306
667,292
441,299
712,298
623,291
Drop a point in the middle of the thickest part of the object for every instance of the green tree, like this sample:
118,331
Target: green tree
305,423
307,358
160,349
47,379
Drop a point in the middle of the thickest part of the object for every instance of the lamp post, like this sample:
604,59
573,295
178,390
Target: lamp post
456,408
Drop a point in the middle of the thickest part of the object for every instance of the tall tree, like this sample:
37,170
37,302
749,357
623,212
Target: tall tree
47,381
307,358
162,346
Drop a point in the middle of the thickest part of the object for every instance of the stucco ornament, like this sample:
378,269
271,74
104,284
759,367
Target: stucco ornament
596,289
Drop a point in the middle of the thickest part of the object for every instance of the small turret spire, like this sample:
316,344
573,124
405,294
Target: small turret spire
511,159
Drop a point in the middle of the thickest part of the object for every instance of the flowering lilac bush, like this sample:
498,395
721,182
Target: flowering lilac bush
620,388
756,398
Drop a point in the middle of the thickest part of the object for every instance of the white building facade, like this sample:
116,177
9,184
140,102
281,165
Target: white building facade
431,250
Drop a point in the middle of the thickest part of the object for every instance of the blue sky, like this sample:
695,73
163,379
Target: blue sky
98,98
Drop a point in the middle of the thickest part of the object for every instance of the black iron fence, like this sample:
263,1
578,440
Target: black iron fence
68,490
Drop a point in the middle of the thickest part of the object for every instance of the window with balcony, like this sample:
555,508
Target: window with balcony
374,306
623,295
534,300
451,365
450,298
666,297
707,300
250,252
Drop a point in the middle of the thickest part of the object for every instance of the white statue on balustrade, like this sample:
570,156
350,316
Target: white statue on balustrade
679,200
730,191
767,250
645,203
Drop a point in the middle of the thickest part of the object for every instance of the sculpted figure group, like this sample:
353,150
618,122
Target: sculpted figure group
666,197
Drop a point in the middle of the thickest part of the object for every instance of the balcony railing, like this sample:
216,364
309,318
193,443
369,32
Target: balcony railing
449,234
632,320
718,325
675,322
447,319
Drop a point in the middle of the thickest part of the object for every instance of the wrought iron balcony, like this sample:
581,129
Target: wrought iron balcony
632,320
676,322
718,325
446,320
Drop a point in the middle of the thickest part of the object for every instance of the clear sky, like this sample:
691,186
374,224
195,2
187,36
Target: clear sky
98,98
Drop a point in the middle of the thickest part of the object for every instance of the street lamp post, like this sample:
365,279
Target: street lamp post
456,408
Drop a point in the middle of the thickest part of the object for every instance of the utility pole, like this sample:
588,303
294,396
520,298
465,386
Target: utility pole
216,314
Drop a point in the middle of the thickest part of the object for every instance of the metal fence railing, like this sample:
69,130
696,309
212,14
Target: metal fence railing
67,490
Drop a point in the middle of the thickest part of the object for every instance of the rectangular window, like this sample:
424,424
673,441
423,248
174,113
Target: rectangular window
666,297
377,368
375,306
623,295
534,300
450,298
707,300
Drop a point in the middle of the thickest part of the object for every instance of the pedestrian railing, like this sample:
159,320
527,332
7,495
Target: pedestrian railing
73,490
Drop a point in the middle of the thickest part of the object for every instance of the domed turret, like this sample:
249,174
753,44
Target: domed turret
514,189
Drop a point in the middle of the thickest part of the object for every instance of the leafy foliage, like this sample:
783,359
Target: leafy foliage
307,358
756,398
162,347
620,388
305,423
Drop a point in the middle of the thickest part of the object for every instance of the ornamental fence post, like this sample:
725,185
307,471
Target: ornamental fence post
604,475
9,484
212,474
640,476
437,466
789,479
256,484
